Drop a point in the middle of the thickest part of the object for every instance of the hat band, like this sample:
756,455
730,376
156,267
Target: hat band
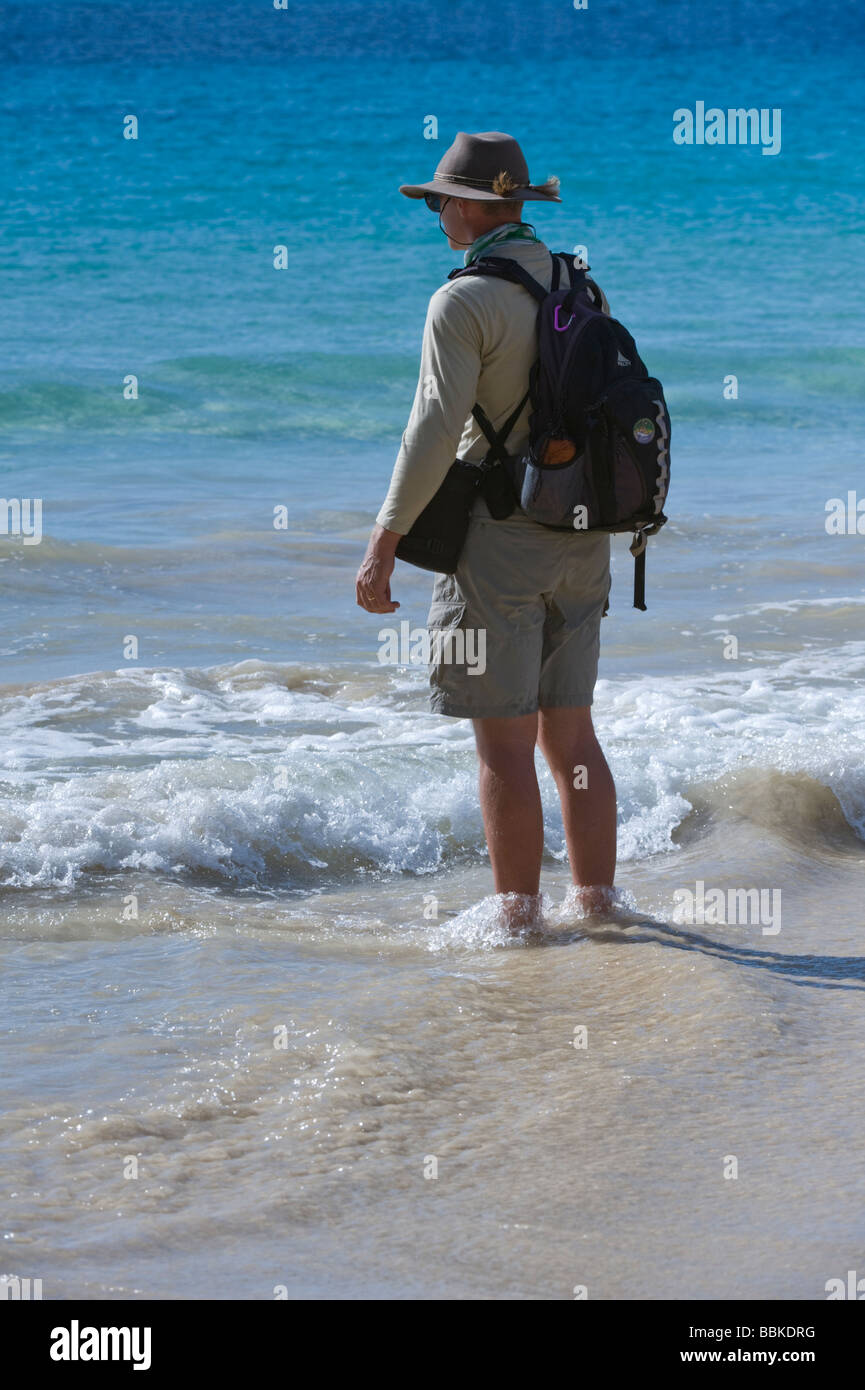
473,183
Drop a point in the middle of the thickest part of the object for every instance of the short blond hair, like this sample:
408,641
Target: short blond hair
503,210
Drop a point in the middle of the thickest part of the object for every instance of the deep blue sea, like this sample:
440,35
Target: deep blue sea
275,800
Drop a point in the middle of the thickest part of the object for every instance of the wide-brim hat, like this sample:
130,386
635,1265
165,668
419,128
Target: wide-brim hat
488,167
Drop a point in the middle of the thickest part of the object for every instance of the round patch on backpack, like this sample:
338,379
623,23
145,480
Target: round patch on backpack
644,431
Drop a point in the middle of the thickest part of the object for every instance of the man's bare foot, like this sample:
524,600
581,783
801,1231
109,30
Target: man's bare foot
520,911
591,898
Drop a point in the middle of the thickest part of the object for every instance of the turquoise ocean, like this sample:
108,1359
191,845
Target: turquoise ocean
243,930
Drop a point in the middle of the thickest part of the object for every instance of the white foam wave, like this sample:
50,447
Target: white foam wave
248,778
793,605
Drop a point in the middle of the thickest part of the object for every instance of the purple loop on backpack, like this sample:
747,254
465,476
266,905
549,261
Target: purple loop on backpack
560,328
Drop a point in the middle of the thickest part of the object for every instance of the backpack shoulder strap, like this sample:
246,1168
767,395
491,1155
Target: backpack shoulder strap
580,279
577,273
498,440
504,269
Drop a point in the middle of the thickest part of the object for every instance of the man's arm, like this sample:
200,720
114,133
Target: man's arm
449,371
446,391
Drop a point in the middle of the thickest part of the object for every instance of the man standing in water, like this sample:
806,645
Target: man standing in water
538,593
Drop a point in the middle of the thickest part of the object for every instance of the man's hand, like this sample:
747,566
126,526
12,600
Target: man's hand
373,577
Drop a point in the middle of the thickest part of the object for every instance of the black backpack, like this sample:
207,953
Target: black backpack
598,456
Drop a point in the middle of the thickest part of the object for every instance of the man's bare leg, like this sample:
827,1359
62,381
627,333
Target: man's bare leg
511,806
566,738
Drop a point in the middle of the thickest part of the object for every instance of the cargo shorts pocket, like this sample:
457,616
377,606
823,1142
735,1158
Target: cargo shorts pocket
447,606
446,613
457,647
445,629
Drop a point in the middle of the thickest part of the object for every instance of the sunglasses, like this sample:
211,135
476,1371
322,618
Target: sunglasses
434,201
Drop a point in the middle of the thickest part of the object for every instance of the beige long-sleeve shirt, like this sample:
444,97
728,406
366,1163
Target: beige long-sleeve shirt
479,344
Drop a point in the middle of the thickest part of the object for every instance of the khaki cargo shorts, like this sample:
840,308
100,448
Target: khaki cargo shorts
517,628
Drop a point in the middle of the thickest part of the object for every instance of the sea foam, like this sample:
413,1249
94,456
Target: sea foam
257,779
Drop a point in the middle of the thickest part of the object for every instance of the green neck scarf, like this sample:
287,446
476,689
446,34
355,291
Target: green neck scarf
508,231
